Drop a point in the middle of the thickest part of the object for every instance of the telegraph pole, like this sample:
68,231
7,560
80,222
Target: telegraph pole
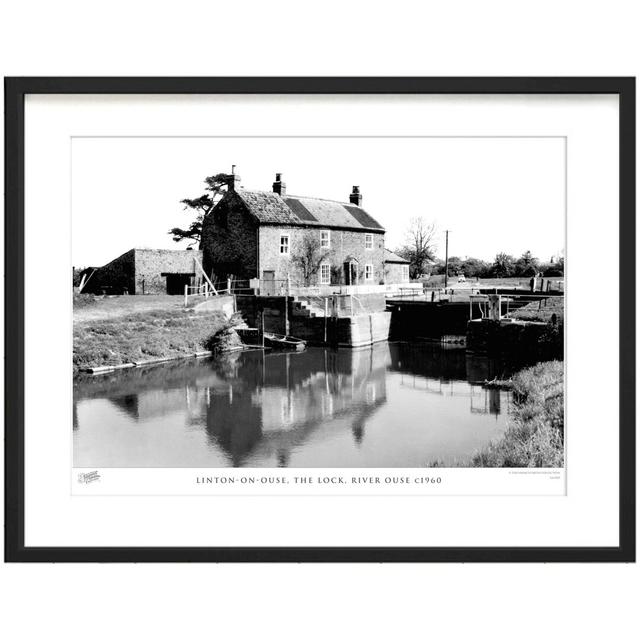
446,257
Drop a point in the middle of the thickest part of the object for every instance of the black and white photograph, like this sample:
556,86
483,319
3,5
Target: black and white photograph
320,320
383,322
388,302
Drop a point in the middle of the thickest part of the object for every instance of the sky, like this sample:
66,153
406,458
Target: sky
493,194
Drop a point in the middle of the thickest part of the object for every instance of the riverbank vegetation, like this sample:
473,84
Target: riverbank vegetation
87,306
136,335
419,248
547,310
504,265
535,435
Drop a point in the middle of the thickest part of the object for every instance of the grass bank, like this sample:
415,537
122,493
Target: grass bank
87,306
542,311
135,335
535,435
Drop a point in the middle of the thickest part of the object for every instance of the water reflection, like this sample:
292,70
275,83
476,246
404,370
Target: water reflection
389,405
436,368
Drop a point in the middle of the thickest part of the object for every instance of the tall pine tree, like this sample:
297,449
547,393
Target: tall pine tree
216,186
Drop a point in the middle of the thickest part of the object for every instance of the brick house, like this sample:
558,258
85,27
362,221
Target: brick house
260,234
146,271
396,269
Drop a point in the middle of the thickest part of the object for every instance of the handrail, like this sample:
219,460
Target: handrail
206,277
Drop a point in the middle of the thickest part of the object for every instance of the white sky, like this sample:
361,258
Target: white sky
494,194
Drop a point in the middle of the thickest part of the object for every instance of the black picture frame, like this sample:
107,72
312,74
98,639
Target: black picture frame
15,91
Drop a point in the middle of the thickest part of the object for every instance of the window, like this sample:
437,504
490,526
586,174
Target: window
284,245
325,239
405,272
368,240
368,272
325,273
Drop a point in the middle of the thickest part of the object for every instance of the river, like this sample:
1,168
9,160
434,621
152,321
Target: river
388,405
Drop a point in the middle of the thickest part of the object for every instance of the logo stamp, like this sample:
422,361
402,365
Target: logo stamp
88,477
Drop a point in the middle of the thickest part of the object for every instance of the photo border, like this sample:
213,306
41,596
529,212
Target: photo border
15,91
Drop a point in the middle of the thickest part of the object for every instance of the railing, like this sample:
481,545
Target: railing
230,286
543,283
290,287
203,290
404,292
493,305
408,290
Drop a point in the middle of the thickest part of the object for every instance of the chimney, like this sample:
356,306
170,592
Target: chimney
279,187
234,179
355,197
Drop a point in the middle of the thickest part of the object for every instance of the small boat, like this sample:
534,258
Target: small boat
272,340
287,343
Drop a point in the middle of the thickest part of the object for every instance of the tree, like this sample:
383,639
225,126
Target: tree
77,275
216,186
475,268
554,268
526,265
455,266
309,257
419,247
503,266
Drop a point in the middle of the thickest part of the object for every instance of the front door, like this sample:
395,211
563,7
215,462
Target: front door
268,284
350,273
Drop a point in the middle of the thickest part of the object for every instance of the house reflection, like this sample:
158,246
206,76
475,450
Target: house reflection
142,393
255,408
290,397
253,402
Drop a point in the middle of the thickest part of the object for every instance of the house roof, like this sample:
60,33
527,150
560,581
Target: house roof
271,208
389,256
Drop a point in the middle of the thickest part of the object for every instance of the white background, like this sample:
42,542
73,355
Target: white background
481,189
586,516
457,38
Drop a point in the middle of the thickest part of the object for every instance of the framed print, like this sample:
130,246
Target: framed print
320,319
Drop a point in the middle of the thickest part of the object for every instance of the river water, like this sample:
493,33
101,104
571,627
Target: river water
388,405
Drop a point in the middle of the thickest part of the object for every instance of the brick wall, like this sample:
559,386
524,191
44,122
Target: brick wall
346,331
365,329
355,331
395,273
229,241
223,303
151,263
273,308
343,244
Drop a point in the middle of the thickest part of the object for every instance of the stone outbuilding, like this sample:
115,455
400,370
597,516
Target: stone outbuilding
146,271
264,234
396,269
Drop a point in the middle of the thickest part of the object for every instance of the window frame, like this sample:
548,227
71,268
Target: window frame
321,279
366,267
366,237
286,253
